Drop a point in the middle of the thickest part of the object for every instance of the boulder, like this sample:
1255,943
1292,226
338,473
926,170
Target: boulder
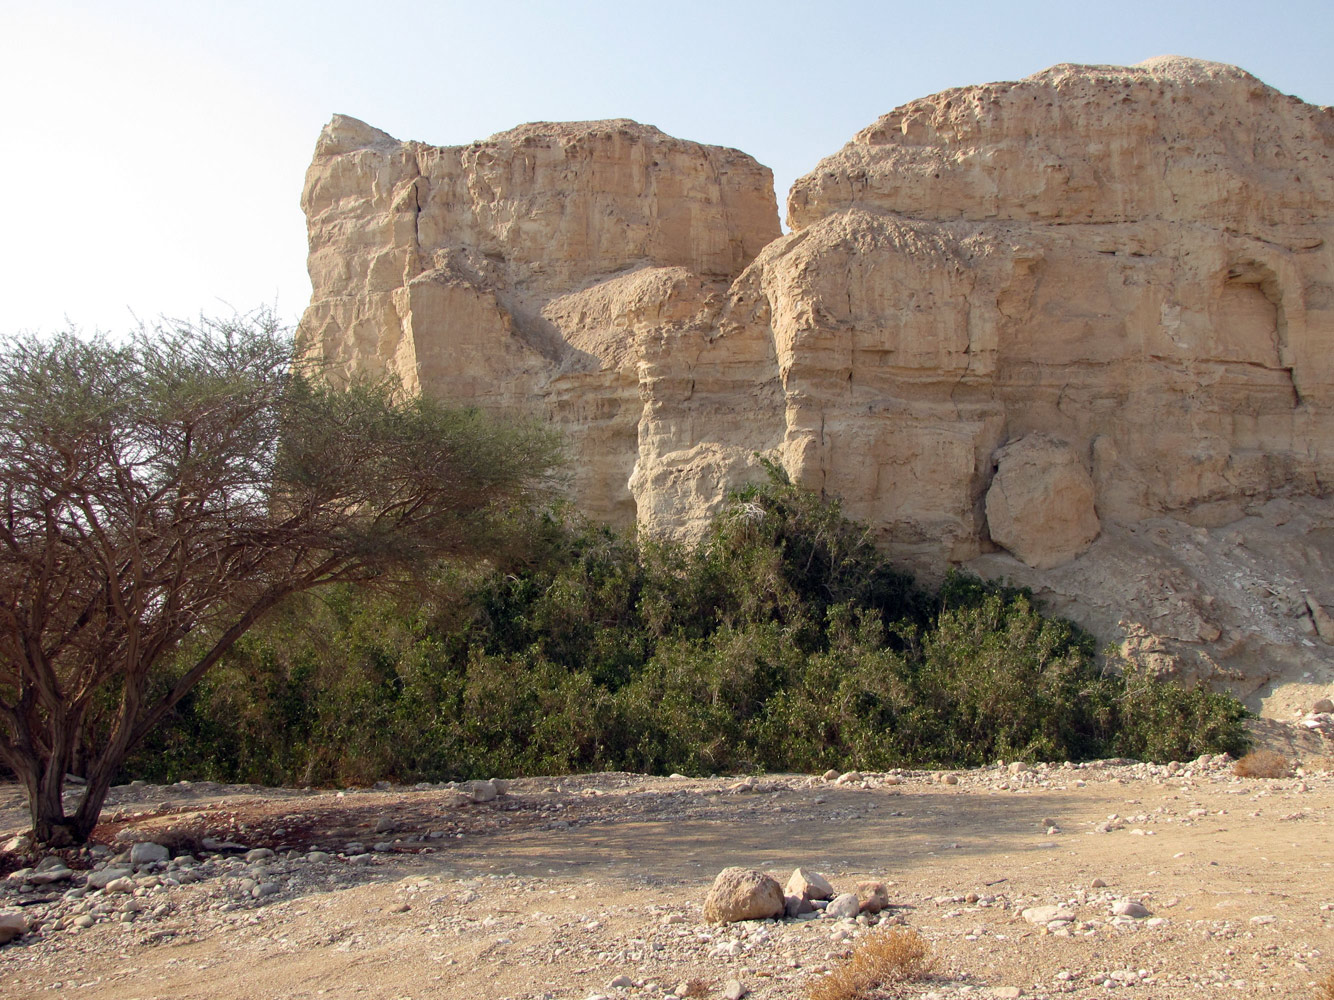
809,885
1040,502
743,894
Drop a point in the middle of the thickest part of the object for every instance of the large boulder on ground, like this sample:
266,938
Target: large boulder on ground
1040,504
743,894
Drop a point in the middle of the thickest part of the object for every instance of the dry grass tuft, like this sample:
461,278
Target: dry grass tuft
695,988
1262,764
1324,990
882,959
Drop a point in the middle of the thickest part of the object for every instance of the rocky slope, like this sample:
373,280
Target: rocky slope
1074,330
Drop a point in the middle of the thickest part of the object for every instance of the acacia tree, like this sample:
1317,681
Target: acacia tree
183,483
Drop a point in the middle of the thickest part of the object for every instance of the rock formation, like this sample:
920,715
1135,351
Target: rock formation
1011,315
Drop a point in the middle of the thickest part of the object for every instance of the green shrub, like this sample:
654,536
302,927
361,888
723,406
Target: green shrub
782,642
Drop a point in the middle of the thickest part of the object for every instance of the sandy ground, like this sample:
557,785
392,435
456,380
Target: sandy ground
561,885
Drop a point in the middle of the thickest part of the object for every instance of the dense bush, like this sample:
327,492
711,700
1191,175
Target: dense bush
782,642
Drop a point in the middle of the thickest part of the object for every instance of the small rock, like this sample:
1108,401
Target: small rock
621,983
49,875
317,856
1018,767
1129,908
123,884
948,779
213,844
830,775
147,853
1098,883
1322,707
12,925
84,921
872,897
743,894
259,854
384,825
266,889
734,990
845,905
848,778
1043,915
795,906
481,791
809,885
1007,993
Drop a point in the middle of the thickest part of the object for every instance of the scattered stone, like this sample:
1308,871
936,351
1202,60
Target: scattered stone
845,905
1324,706
734,990
122,884
221,846
872,897
831,775
1130,908
848,778
809,885
1044,915
259,854
1098,883
146,853
100,880
481,791
795,906
621,983
743,894
12,925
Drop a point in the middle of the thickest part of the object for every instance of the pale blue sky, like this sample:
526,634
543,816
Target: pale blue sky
153,152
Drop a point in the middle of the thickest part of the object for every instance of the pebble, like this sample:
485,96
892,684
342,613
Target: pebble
734,990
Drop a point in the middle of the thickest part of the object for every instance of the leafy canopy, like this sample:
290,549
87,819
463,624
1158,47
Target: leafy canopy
186,480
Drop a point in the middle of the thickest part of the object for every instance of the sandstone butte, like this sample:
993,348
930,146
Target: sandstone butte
1076,331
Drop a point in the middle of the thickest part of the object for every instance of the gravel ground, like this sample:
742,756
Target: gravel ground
562,887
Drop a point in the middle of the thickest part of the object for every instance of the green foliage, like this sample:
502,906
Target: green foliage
782,642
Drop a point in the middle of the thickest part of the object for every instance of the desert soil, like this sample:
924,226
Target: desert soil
560,886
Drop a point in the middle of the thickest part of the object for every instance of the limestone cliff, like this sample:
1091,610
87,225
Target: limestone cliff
1029,326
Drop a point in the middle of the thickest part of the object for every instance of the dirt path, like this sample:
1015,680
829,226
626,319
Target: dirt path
561,885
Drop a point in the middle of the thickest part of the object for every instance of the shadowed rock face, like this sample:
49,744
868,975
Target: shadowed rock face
1128,266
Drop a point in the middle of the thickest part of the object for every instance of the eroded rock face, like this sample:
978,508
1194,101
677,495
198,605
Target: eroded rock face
516,273
1131,261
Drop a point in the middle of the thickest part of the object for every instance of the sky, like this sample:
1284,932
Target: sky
152,153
